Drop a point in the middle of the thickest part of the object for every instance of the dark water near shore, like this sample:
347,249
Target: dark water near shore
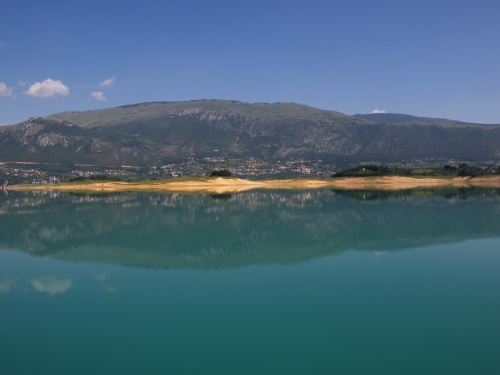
287,282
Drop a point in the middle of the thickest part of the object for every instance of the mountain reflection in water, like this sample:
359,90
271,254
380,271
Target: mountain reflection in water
222,231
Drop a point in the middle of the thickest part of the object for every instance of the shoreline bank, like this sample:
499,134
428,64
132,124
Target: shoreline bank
220,185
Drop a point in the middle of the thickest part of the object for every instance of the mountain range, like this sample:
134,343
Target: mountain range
156,133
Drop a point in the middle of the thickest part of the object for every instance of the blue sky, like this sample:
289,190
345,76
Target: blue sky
425,58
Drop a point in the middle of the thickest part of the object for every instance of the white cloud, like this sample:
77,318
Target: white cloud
4,90
98,95
51,285
107,82
379,111
47,89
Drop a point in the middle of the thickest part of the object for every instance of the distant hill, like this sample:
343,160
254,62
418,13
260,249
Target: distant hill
152,134
154,111
398,118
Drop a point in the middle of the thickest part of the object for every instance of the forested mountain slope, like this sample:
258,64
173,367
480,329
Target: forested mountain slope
151,134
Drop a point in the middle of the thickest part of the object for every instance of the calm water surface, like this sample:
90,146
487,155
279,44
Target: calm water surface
253,283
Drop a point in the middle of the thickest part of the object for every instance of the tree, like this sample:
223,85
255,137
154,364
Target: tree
220,173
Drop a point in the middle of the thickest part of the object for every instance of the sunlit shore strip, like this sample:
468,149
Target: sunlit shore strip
222,185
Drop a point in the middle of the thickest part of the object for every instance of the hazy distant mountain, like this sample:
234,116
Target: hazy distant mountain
398,118
149,134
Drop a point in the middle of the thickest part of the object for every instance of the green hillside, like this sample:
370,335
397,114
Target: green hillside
157,110
153,134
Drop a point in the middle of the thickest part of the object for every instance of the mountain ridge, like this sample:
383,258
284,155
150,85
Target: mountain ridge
400,118
153,134
109,116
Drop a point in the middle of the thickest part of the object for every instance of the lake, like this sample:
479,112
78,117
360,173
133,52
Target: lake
262,282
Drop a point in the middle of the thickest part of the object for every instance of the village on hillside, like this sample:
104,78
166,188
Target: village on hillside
15,172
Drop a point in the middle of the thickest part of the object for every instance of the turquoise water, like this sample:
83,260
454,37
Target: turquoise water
275,283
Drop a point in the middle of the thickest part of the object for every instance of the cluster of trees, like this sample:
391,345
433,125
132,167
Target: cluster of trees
445,192
97,178
472,171
463,170
220,173
372,170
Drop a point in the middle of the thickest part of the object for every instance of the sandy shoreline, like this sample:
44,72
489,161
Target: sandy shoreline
234,185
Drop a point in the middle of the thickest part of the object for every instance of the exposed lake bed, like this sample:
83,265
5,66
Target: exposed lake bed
234,185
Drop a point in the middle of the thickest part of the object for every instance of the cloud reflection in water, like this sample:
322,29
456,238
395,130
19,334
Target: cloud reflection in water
6,284
51,285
